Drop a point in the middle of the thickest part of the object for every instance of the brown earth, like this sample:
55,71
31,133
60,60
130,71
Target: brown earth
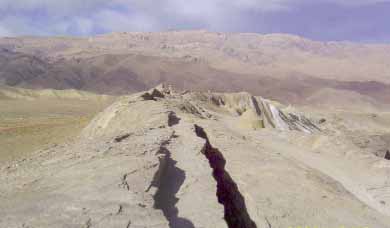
286,68
29,123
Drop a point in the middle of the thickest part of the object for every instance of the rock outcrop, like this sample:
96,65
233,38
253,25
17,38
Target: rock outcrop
241,109
166,158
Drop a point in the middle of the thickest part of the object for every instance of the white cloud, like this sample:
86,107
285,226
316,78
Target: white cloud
4,32
51,6
46,17
116,21
68,6
84,25
19,25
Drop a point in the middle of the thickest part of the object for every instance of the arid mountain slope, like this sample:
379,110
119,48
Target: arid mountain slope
166,158
282,67
239,53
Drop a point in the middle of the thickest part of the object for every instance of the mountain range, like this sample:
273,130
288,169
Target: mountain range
282,67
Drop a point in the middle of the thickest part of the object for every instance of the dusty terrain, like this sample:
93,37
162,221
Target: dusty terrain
268,131
31,120
286,68
167,158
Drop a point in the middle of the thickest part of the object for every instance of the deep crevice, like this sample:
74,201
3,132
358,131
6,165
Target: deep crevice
122,137
173,119
228,194
387,155
168,180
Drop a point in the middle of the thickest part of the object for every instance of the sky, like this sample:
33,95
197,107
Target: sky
325,20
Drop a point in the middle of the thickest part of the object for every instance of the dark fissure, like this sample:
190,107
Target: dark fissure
168,180
228,194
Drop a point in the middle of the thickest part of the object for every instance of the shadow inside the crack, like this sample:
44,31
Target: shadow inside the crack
171,179
235,212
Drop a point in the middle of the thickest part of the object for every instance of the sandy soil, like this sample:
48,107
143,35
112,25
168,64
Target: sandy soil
27,126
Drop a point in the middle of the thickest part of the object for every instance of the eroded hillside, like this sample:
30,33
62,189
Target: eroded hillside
167,158
282,67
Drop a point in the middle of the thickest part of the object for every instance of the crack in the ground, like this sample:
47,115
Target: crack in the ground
120,138
124,184
128,224
235,211
268,222
168,180
173,119
387,155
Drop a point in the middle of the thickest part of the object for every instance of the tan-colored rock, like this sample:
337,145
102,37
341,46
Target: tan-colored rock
173,159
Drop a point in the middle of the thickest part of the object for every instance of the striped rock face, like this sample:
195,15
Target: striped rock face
242,109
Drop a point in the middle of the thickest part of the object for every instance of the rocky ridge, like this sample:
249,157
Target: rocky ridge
166,158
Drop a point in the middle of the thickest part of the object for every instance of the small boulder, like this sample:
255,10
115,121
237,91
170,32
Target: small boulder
152,95
157,93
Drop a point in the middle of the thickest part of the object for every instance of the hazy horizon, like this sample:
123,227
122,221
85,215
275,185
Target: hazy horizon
190,30
362,21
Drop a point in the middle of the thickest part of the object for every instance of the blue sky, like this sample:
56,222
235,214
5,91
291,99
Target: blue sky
353,20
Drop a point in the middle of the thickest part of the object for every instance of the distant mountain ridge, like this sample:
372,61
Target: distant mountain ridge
279,66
